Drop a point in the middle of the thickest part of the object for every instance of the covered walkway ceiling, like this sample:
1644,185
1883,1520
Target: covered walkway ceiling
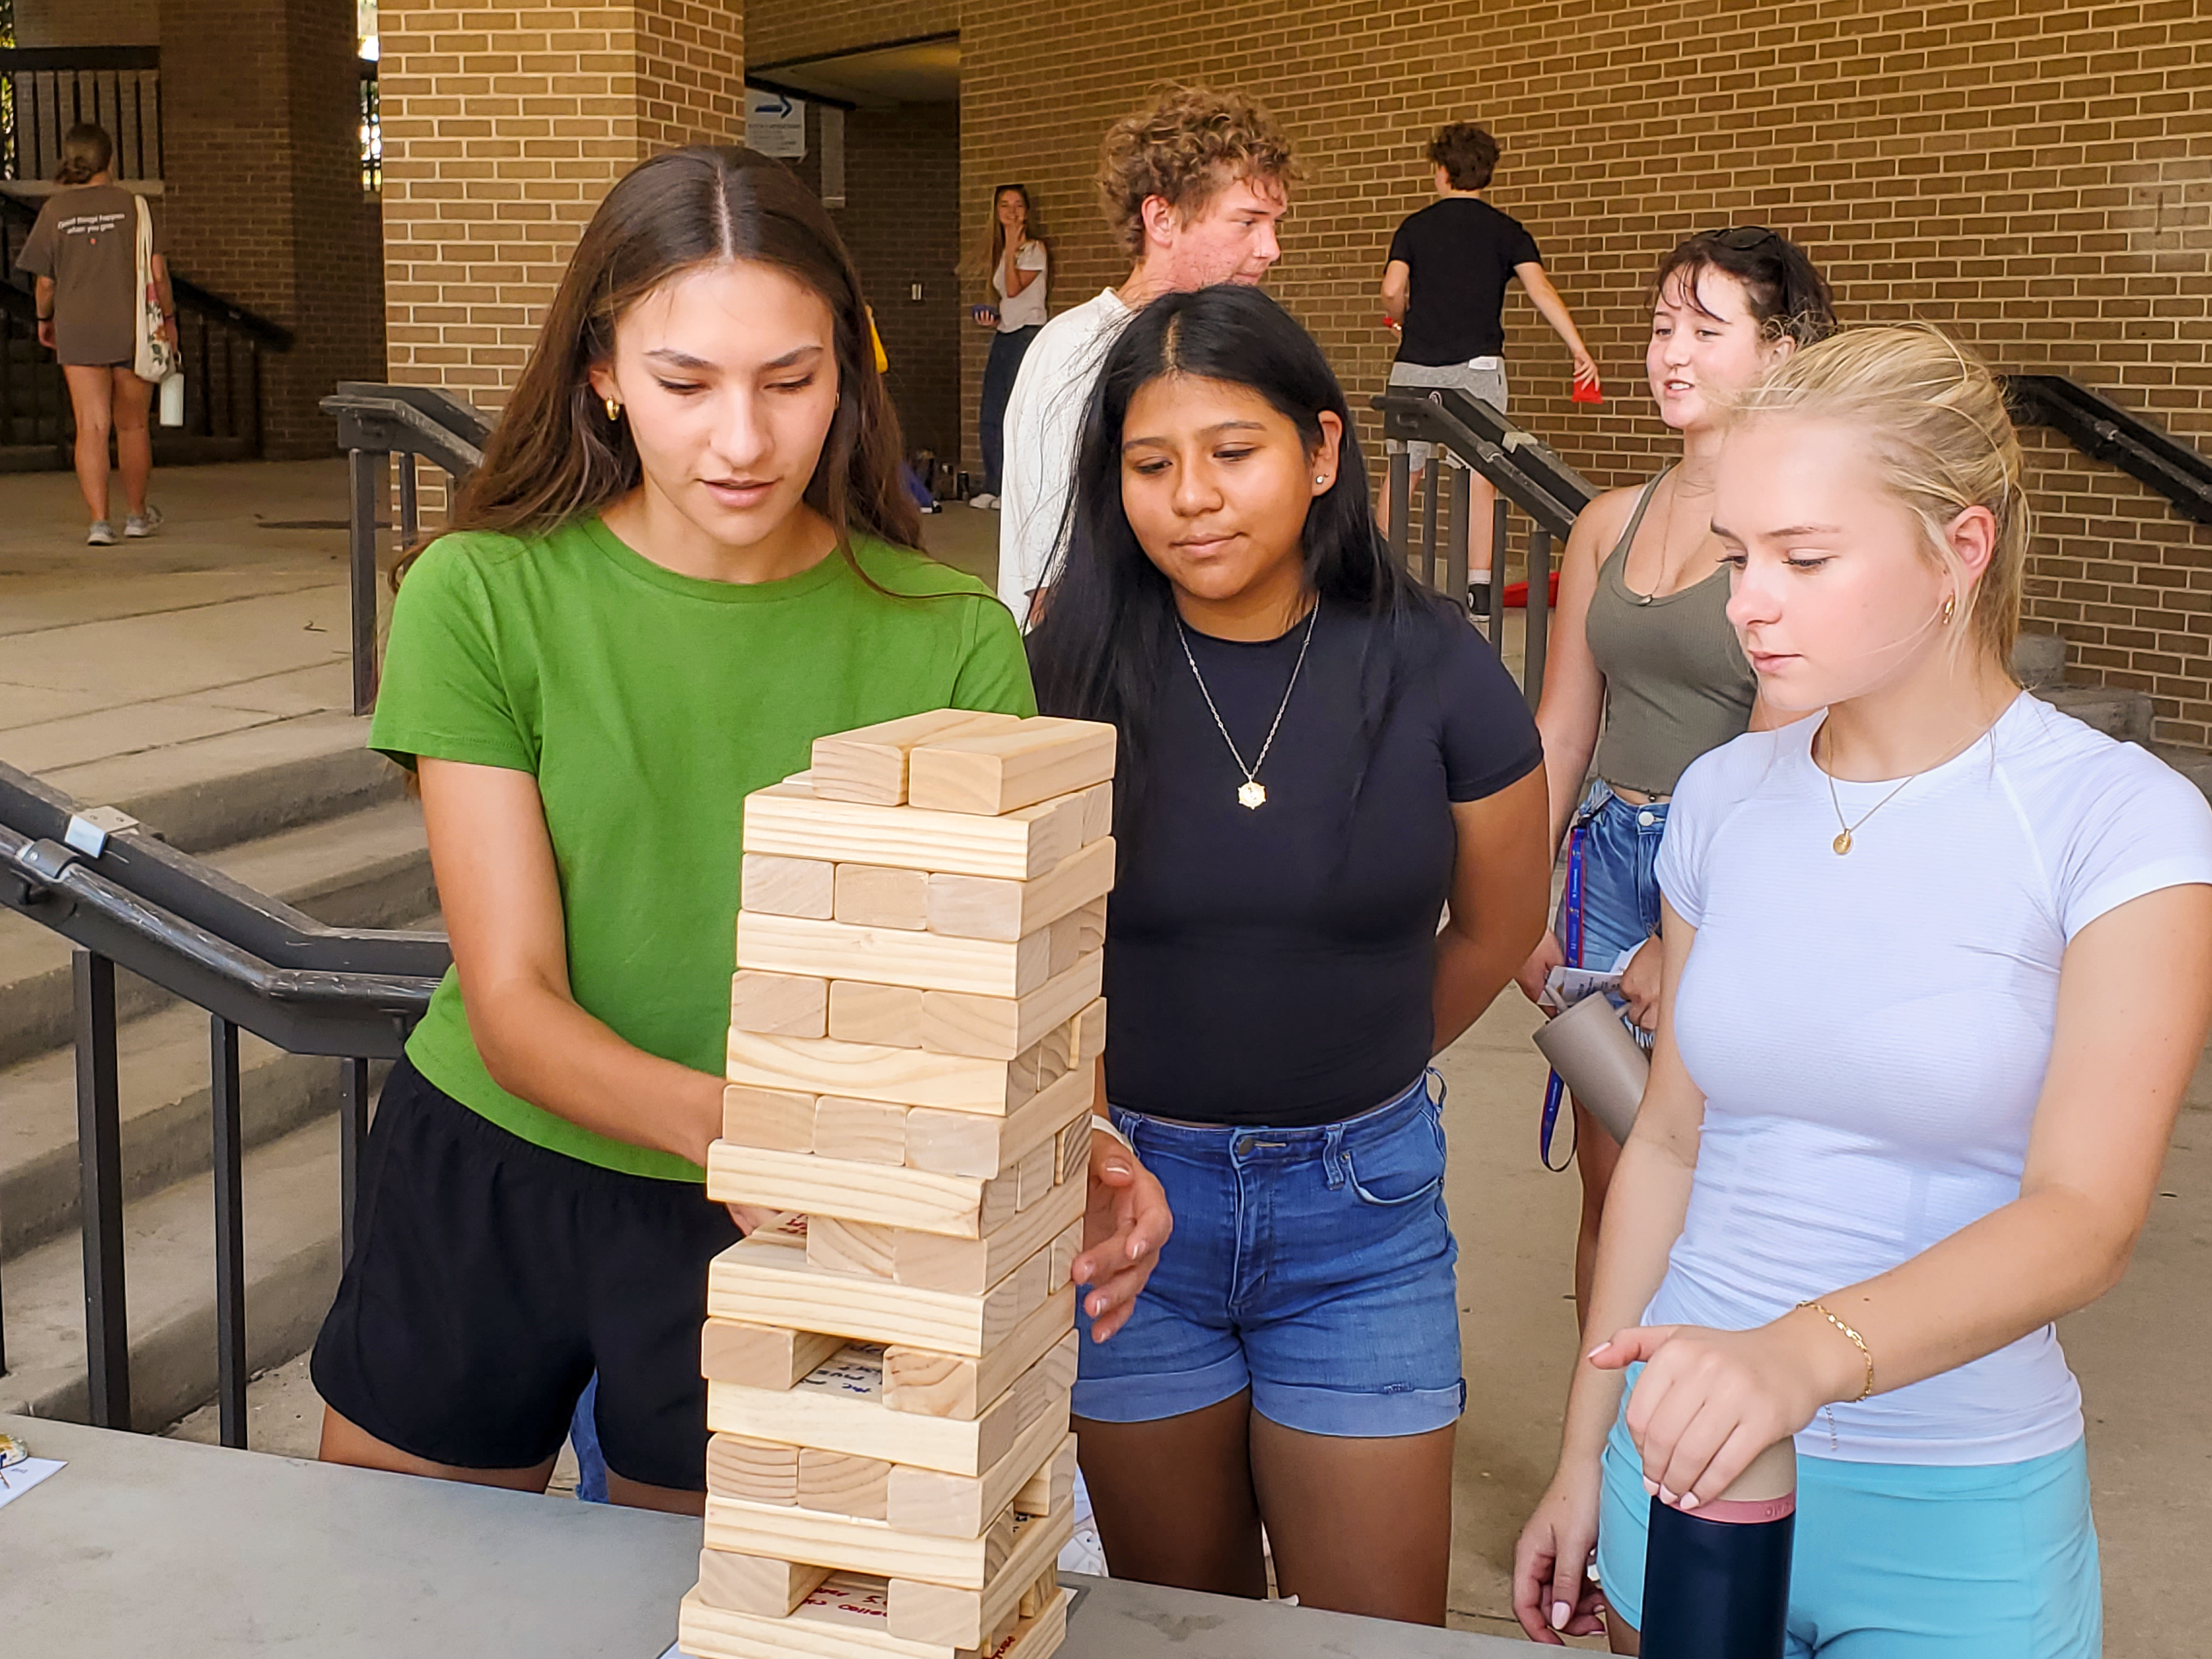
926,71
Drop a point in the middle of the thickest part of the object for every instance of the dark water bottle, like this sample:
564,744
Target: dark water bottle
1716,1578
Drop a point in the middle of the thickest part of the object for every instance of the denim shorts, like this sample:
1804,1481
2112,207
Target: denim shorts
1314,1267
1907,1560
1620,883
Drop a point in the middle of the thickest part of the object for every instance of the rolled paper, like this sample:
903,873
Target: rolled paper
1716,1578
1599,1061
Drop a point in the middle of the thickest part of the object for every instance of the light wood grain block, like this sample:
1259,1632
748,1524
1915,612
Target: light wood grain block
787,820
848,1617
878,896
972,1143
870,764
839,1483
1087,1034
842,1407
852,1544
977,907
930,1383
761,1356
757,1585
1052,1488
759,1470
838,1246
896,1077
1075,1142
865,1131
972,1267
963,1206
778,1120
1065,1249
922,1611
886,1016
1036,1177
930,1500
781,1004
1097,813
1074,937
787,886
892,956
787,1227
1003,771
761,1285
954,1023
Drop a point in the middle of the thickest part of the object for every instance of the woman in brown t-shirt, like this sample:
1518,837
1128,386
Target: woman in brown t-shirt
84,252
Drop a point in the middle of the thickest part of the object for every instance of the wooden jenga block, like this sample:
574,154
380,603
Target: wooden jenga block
1065,1249
897,1077
954,1023
779,1005
870,764
787,1227
1075,1149
839,1246
963,1206
978,907
778,1120
1087,1034
926,1611
1052,1488
787,886
761,1356
1097,813
890,956
932,1501
840,1541
878,896
757,1585
762,1285
1037,1177
841,1484
1003,771
846,1618
787,820
884,1016
865,1131
930,1383
972,1143
972,1267
1074,937
759,1470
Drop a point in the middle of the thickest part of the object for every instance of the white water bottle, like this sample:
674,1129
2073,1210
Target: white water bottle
173,399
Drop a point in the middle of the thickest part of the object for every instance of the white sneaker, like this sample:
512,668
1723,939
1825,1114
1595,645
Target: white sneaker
983,503
142,524
102,534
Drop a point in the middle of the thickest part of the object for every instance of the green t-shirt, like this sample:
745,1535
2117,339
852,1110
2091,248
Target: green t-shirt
648,705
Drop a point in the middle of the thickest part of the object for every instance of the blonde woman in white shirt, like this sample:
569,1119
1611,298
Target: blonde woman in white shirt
1018,260
1938,968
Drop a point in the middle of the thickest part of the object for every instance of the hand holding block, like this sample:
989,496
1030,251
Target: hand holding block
870,764
1003,771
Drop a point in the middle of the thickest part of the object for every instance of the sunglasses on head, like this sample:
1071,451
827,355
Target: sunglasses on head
1742,239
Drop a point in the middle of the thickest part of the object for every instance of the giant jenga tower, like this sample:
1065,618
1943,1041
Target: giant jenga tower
914,1033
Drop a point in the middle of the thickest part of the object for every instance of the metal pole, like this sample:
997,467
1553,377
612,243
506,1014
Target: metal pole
1540,613
1456,545
1399,495
1498,510
229,1231
100,1183
410,516
1429,498
360,543
353,1135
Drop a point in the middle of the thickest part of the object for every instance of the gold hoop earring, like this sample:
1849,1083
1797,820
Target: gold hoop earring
614,408
1950,604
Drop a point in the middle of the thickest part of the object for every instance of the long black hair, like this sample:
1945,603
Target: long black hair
1108,636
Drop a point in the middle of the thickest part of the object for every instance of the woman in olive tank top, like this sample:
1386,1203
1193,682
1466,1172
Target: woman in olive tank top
1644,672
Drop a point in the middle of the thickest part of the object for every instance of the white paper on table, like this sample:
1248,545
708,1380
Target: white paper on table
19,1477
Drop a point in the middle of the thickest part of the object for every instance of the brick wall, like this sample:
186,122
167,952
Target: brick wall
88,23
784,30
2036,174
690,73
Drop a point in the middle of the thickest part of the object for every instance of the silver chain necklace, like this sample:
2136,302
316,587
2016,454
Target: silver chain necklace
1252,795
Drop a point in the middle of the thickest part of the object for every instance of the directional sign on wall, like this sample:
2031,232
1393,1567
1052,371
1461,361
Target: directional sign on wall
775,125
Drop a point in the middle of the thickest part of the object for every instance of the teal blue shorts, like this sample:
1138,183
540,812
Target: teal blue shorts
1908,1561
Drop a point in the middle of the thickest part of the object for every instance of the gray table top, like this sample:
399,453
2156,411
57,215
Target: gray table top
153,1545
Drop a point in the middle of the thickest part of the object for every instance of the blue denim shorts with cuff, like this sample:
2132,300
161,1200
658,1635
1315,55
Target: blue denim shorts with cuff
1314,1267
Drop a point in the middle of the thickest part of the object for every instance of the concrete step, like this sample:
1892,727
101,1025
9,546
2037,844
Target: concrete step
218,791
2126,715
292,1247
369,868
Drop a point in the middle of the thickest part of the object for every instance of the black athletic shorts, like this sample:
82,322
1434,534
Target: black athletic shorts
491,1278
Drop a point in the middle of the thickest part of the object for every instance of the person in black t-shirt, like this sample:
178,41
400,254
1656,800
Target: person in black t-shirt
1319,758
1445,288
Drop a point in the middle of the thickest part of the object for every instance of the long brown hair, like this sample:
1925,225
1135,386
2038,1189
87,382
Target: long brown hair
984,257
556,455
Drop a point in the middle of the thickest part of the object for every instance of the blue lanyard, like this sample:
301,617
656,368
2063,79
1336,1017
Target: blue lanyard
1572,946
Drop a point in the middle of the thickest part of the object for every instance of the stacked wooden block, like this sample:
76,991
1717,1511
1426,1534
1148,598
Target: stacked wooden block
914,1028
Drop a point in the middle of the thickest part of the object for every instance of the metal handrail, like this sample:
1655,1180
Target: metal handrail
121,897
2103,431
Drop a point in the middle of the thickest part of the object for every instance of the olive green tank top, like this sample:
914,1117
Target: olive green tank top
1676,682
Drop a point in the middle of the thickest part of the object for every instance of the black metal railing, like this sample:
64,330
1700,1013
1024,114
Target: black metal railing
372,131
2103,431
1526,475
123,897
46,90
375,423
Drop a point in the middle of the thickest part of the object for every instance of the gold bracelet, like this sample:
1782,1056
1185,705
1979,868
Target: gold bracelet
1857,1341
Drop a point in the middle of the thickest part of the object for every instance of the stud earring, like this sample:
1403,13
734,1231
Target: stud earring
614,408
1320,477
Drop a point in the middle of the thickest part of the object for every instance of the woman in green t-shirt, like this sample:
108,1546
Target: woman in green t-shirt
686,555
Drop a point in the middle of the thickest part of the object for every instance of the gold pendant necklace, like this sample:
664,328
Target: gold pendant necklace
1251,794
1842,844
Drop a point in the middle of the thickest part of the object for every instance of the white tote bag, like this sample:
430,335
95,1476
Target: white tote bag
156,359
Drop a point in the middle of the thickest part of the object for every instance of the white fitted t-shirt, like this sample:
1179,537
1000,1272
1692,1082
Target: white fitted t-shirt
1870,1032
1044,418
1025,309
